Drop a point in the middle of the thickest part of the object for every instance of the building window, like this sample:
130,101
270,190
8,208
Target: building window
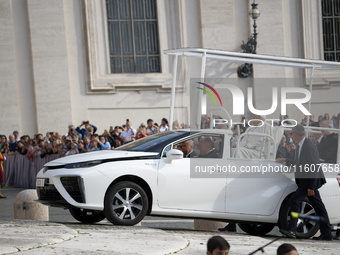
133,36
331,29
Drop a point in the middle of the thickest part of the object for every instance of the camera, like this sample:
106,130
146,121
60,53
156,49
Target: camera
127,120
86,122
72,129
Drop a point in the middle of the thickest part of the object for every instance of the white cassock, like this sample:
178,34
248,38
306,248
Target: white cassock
253,146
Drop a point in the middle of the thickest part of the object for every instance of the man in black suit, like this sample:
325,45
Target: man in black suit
206,147
308,183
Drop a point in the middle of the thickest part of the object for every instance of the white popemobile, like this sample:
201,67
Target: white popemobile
151,176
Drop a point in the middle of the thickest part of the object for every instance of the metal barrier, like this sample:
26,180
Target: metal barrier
20,172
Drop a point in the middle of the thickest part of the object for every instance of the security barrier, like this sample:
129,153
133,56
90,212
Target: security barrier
20,172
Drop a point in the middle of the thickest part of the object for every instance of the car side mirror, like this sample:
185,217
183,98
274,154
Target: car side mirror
173,155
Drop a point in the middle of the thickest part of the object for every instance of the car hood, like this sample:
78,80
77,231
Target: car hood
99,155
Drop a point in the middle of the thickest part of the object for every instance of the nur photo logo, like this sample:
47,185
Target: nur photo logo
209,93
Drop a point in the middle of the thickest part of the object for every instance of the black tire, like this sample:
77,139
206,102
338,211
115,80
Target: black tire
257,229
126,203
305,228
87,216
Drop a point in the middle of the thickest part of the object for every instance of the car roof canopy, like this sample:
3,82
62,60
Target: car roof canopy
229,56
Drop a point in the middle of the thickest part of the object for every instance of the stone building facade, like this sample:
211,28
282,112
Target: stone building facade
55,61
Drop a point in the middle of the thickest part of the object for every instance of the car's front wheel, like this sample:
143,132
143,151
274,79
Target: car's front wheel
257,229
126,203
87,216
305,228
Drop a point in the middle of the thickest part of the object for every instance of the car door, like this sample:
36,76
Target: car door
177,189
252,192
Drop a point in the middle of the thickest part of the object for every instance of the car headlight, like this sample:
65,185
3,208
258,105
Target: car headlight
84,164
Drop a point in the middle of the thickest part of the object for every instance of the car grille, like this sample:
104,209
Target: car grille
49,192
71,184
73,187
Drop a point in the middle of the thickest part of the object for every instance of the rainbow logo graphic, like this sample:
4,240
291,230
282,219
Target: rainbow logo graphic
209,93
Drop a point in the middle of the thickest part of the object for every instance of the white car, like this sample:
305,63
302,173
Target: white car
151,176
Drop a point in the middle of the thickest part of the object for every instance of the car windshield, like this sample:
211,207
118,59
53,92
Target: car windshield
153,143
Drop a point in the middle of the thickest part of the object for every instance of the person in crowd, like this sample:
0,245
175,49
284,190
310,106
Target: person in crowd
304,120
206,148
164,125
151,128
286,120
188,149
57,137
320,118
54,147
36,148
16,135
90,131
3,140
75,139
71,148
315,136
308,183
108,137
72,131
115,134
2,173
5,148
205,122
103,143
22,148
217,245
286,249
175,125
141,132
282,151
129,133
334,121
328,147
288,135
252,146
43,151
337,121
84,131
30,149
94,145
291,150
48,136
84,147
13,146
39,137
326,116
118,142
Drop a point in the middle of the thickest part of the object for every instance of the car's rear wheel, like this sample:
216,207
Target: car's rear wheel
257,229
305,228
87,216
126,203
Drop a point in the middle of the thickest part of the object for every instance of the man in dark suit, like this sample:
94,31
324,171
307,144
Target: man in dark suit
206,147
308,183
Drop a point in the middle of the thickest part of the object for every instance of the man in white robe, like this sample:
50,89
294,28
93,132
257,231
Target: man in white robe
254,146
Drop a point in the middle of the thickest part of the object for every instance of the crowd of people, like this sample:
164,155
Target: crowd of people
80,139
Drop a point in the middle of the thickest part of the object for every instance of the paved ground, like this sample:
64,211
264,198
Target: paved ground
63,235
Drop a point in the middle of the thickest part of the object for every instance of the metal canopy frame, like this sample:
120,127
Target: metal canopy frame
229,56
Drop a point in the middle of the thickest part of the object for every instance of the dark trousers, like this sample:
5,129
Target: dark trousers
295,202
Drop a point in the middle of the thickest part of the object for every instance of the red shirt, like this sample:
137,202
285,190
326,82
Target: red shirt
141,136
